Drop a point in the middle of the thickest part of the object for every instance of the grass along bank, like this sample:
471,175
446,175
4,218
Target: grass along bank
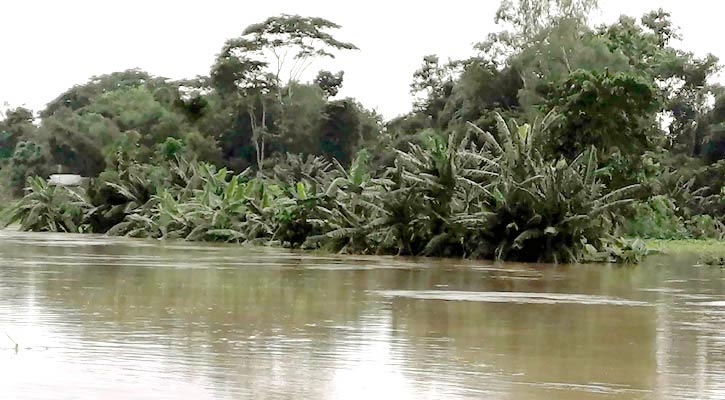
710,247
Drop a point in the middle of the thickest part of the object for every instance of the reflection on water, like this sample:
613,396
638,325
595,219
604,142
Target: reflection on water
97,317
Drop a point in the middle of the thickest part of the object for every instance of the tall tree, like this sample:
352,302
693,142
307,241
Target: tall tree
556,52
524,20
243,81
330,83
270,57
609,111
682,79
290,44
14,125
432,85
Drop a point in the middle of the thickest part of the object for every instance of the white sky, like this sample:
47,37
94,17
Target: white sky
50,45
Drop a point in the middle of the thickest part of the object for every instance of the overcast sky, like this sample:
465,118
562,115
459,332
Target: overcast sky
50,45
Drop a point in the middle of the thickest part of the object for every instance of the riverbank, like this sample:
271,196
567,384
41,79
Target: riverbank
707,248
710,247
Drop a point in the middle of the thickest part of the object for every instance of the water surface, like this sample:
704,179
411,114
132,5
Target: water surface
97,317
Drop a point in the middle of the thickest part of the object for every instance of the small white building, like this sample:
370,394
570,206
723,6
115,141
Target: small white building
65,180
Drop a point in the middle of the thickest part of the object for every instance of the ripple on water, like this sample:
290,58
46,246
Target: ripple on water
510,297
720,303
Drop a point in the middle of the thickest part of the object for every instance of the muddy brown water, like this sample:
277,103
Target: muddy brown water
107,318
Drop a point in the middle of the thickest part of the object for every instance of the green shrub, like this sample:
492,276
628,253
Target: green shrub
656,218
661,218
705,227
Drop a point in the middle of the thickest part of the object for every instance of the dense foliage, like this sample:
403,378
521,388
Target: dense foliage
442,198
550,144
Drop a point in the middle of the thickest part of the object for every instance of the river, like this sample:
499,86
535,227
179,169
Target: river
91,317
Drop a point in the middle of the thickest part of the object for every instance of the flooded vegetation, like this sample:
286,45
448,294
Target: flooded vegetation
95,317
248,233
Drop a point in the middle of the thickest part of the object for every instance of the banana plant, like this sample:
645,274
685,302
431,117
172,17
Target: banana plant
545,210
50,208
